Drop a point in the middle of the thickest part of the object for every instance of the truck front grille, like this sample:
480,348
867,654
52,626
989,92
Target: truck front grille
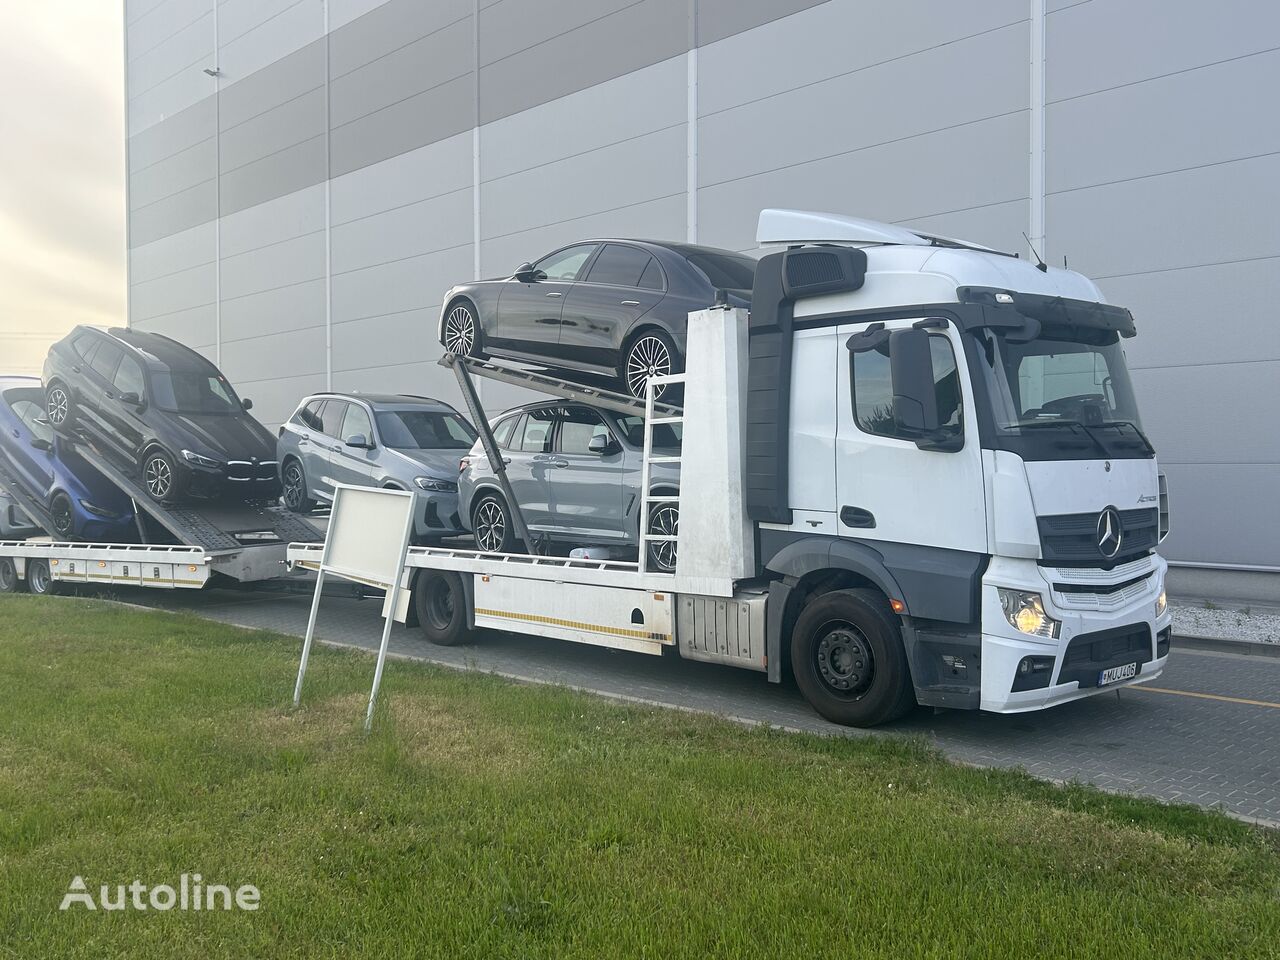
1071,539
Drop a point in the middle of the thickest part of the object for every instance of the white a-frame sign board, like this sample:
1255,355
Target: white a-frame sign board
367,541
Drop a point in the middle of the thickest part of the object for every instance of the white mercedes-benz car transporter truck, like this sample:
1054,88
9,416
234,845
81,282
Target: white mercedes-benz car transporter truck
915,473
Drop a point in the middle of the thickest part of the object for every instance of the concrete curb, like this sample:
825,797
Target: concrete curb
1244,648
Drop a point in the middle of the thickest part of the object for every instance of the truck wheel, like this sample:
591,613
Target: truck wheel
10,582
849,661
441,605
39,580
491,521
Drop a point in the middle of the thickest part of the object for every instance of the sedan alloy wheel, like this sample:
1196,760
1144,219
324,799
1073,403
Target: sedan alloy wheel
648,357
460,331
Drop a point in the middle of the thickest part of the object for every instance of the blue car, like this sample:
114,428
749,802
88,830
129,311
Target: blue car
82,503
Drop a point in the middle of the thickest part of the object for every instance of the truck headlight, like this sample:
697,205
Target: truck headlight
1025,613
200,460
1162,602
437,486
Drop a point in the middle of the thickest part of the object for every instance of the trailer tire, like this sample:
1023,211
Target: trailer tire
849,661
440,600
10,582
40,581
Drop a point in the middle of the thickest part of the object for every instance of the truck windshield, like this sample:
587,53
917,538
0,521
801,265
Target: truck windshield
1067,389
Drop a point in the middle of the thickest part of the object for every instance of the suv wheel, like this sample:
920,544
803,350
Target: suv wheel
664,520
492,525
160,476
59,406
294,483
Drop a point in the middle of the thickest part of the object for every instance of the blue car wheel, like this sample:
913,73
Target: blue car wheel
64,523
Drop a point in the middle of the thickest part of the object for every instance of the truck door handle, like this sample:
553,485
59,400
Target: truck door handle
631,303
555,294
857,517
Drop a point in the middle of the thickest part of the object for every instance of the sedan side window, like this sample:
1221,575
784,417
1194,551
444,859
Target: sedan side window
536,431
578,427
334,411
565,265
128,378
619,265
356,422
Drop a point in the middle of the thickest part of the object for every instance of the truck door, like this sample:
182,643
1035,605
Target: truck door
889,489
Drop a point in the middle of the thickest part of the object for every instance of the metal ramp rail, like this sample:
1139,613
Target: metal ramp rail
650,408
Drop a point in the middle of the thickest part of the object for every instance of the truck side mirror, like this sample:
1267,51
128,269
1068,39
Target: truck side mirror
915,400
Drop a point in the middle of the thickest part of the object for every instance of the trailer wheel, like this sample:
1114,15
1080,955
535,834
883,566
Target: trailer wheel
10,582
39,580
849,661
441,604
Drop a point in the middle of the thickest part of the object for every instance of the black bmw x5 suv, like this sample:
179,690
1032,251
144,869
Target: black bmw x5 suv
165,410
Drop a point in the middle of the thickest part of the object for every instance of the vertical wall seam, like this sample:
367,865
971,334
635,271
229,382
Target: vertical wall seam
1036,230
475,160
217,194
128,191
691,129
328,217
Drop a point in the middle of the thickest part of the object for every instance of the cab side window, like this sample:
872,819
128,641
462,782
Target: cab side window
128,378
873,390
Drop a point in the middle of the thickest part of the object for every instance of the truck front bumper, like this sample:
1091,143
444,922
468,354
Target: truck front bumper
1108,619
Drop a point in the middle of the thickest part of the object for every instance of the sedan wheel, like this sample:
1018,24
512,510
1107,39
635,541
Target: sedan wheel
63,522
664,521
649,356
157,474
460,331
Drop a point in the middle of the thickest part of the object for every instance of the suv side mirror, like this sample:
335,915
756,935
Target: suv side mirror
246,403
526,273
359,440
601,444
915,395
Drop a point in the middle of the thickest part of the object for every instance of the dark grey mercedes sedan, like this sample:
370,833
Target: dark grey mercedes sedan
616,308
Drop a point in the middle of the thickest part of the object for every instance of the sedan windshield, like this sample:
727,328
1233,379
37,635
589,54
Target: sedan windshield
424,430
191,391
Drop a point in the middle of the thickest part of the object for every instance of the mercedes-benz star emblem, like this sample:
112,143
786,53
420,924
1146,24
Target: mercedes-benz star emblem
1110,533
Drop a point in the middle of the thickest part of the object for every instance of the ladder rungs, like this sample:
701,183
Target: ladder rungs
656,421
664,459
661,499
660,538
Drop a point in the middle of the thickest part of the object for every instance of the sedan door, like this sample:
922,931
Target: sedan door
528,318
585,488
347,464
621,285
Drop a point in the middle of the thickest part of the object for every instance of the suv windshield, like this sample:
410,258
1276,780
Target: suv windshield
192,391
1069,385
424,430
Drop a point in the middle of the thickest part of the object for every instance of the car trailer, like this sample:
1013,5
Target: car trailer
707,608
183,545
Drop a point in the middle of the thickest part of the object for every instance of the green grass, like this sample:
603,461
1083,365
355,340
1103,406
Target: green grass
488,819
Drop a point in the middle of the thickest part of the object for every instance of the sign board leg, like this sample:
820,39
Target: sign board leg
306,642
394,601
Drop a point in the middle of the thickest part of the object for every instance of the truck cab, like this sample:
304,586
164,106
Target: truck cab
947,438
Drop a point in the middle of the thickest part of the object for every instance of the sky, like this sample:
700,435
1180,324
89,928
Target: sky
62,246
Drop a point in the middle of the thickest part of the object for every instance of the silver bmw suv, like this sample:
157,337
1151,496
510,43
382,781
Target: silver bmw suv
368,440
575,470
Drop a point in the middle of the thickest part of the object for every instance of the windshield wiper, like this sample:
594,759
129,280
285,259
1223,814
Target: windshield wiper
1139,436
1072,424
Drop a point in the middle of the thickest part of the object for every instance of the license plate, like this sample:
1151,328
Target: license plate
1116,674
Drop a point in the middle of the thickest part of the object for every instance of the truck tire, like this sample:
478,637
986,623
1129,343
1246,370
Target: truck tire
441,605
10,582
39,580
849,661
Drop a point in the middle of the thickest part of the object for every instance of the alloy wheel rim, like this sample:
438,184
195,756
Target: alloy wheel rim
665,522
845,661
459,331
648,357
57,406
293,486
62,521
491,526
159,477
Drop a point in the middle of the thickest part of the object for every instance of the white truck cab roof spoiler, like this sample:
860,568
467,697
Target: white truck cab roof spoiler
792,227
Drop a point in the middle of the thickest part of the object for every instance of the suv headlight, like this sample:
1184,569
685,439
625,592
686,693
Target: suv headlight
437,486
200,460
1025,613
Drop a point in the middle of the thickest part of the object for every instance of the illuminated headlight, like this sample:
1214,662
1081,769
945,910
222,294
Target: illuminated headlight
1025,613
95,510
434,485
1162,602
201,461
